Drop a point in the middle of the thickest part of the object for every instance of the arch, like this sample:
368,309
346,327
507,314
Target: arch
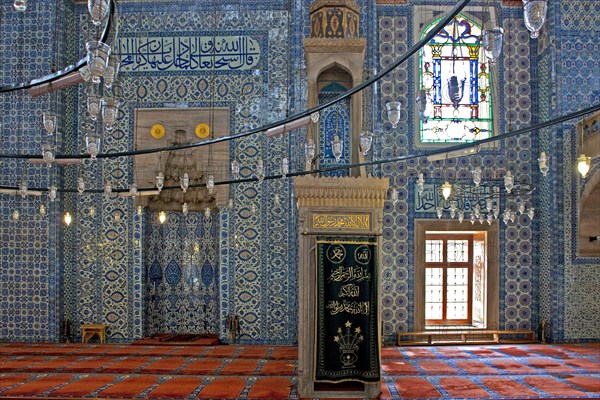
588,243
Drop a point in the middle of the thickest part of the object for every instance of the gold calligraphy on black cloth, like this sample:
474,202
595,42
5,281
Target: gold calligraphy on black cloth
347,310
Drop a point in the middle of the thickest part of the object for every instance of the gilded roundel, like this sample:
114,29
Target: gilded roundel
202,131
157,131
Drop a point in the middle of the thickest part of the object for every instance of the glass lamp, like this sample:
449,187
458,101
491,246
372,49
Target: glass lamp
52,193
159,181
285,167
543,163
509,182
112,71
534,14
210,184
185,182
98,10
446,190
110,108
162,217
93,104
492,43
235,169
49,120
423,110
476,176
583,164
394,196
92,145
393,112
97,58
68,218
185,208
47,154
366,140
20,5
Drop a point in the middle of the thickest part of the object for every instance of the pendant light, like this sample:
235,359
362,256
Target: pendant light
534,14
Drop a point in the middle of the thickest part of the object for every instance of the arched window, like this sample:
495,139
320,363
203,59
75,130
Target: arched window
455,77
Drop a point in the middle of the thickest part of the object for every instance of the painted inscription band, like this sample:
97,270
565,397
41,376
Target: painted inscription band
355,221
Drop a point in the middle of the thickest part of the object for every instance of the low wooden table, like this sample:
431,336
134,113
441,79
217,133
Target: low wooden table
89,330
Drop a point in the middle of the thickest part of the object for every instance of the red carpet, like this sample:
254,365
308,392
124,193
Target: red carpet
118,372
460,387
130,387
176,388
224,388
84,386
508,388
271,388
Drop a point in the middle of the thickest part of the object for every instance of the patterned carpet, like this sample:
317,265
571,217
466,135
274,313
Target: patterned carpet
52,371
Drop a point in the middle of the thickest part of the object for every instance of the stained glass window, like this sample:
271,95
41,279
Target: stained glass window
456,78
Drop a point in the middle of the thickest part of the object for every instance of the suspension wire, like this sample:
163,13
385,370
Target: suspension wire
458,147
415,48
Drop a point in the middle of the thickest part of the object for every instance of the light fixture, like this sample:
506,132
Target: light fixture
42,209
207,213
67,218
47,154
543,163
285,167
15,215
477,211
52,193
521,207
492,42
97,58
496,211
23,188
489,204
260,170
476,176
133,190
210,184
140,210
534,14
20,5
112,71
185,208
472,218
439,211
235,169
461,216
446,190
531,213
159,181
366,140
583,164
490,218
394,195
93,103
92,144
49,120
80,185
393,112
509,182
98,10
162,217
336,148
185,182
117,216
110,108
309,153
420,183
107,188
423,109
92,211
453,207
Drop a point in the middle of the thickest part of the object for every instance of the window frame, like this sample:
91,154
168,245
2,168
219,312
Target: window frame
423,17
445,265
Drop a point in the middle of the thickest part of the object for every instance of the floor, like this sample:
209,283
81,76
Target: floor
53,371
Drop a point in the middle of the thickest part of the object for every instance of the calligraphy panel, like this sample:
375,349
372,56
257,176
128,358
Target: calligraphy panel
466,196
339,221
347,310
188,53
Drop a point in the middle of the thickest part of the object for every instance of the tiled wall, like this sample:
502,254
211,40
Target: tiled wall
101,270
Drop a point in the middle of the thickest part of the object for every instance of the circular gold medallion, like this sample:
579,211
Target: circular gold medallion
202,131
157,131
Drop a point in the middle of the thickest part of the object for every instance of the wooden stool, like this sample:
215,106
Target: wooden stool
89,330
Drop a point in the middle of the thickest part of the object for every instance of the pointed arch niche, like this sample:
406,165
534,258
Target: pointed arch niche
334,63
